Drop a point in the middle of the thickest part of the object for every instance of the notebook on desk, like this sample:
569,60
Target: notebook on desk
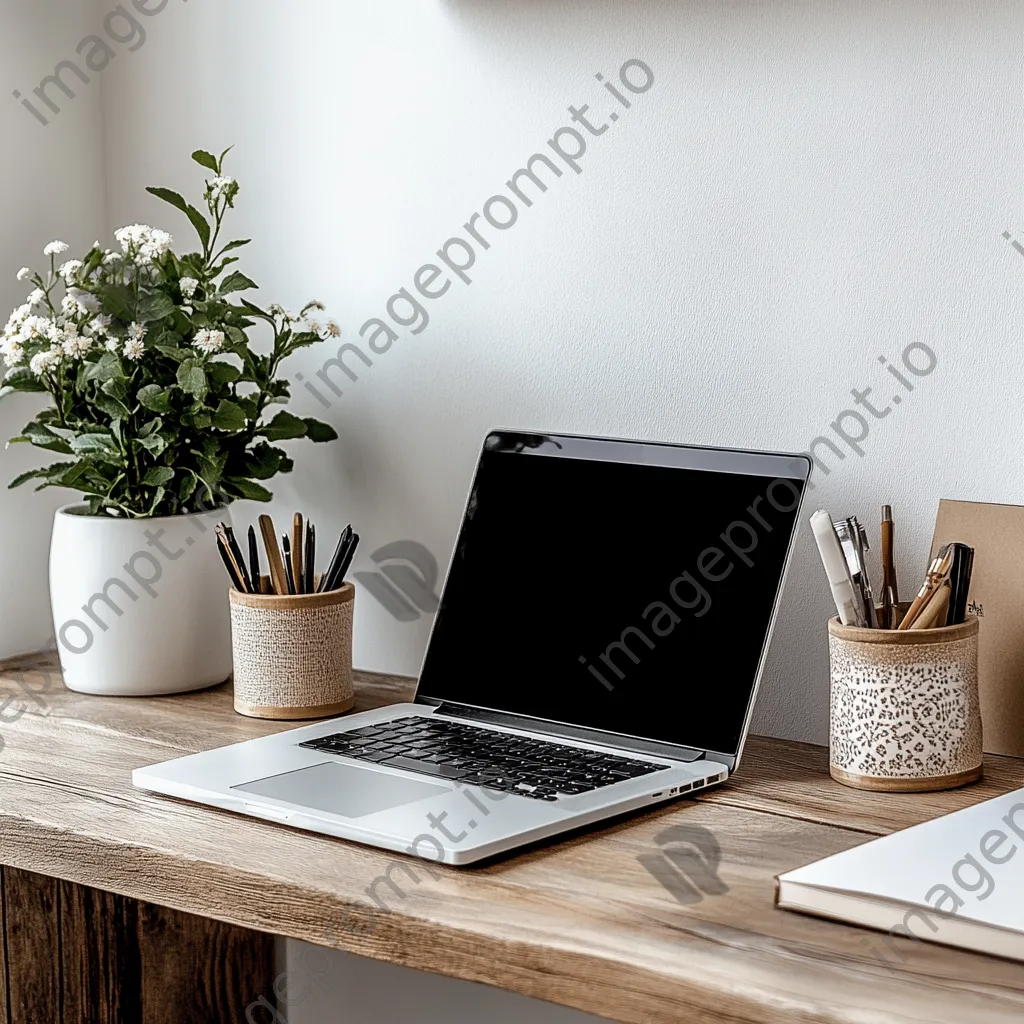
956,880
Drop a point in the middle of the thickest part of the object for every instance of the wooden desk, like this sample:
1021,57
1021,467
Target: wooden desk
125,906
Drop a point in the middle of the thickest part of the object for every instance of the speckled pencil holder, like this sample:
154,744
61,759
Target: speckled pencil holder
292,654
904,715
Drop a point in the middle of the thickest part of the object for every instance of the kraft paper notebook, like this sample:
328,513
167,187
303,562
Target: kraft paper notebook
996,532
956,880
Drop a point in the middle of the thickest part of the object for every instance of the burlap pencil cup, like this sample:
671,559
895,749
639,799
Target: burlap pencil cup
293,654
904,715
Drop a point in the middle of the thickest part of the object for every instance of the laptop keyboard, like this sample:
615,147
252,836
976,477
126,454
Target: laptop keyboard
538,769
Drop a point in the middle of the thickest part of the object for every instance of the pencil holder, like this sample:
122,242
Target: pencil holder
293,653
905,715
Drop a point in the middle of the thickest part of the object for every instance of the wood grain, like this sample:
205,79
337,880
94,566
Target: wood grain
579,922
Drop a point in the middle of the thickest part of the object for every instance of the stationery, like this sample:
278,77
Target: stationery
274,560
938,573
954,880
847,605
291,564
890,592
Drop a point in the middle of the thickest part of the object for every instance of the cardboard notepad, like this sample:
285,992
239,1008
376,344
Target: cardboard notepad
996,532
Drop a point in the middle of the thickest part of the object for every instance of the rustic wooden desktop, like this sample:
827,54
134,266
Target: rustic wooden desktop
119,905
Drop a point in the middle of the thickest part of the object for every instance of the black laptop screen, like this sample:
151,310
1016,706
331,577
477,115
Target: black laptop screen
629,598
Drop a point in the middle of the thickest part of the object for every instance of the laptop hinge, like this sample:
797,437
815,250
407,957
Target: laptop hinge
575,732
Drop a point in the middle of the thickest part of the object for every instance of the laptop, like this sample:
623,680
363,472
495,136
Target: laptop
597,650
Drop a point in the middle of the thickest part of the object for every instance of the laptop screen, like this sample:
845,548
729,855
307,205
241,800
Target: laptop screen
617,586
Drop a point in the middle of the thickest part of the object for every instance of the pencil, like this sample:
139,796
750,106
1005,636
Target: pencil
277,579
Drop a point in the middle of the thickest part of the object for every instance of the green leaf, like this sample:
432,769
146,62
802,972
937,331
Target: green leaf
207,160
262,461
199,222
222,373
283,427
158,496
192,379
98,446
21,378
248,489
42,437
107,367
151,427
320,432
118,299
236,245
154,398
155,444
158,476
155,306
236,282
175,352
229,416
220,162
188,486
111,406
32,474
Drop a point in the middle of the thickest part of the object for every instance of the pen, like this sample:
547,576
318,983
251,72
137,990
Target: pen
890,593
310,566
236,558
836,569
851,541
338,576
236,579
289,572
336,558
255,577
297,553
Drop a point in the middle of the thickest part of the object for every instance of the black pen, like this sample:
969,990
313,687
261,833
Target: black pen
226,558
308,565
289,576
254,563
339,553
338,579
236,555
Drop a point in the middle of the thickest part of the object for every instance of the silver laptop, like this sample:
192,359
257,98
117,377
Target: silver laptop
597,650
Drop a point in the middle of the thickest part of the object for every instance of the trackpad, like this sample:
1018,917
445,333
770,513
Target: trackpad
343,789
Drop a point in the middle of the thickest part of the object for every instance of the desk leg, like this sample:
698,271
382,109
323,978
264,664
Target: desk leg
75,955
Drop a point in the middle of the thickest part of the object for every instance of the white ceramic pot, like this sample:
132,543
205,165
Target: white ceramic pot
140,606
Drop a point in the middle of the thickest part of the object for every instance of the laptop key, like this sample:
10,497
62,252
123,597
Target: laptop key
411,764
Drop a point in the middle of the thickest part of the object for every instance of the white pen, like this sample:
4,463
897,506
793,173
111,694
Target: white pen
843,592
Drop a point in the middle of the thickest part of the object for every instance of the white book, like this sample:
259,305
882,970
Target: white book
957,880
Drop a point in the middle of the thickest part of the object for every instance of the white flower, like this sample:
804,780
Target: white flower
86,300
56,335
188,286
44,362
133,349
333,328
223,186
36,297
315,326
76,345
142,243
36,327
112,344
12,352
137,332
112,257
70,269
276,310
313,304
100,325
56,249
24,274
209,341
70,306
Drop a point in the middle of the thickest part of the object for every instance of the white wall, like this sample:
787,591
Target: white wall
806,187
51,180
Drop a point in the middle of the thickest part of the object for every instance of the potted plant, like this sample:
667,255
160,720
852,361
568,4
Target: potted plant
163,413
